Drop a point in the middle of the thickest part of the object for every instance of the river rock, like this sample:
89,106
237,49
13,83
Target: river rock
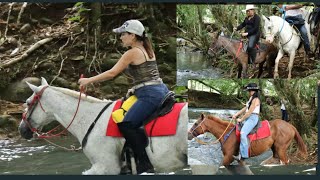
61,82
25,28
19,91
121,80
46,20
110,60
8,122
48,66
107,89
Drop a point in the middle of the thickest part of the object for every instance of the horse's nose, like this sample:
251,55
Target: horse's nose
25,131
190,136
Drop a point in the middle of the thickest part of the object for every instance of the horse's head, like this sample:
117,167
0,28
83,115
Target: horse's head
271,29
197,128
216,45
35,117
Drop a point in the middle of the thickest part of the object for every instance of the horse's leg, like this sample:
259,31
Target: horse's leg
103,169
292,55
239,70
261,68
279,56
244,70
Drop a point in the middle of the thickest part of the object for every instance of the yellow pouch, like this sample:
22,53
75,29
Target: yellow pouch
119,114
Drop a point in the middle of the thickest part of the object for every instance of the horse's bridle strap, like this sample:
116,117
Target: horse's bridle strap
84,140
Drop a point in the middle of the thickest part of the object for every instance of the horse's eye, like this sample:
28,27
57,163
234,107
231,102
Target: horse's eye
269,27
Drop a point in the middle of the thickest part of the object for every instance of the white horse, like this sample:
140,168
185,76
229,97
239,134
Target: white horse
169,152
288,40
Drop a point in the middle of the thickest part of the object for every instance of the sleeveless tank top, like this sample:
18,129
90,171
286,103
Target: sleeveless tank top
147,71
256,110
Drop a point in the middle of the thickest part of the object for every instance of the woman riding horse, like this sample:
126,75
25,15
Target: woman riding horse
252,32
249,119
141,65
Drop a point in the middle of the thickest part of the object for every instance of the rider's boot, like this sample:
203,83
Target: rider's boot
253,54
137,140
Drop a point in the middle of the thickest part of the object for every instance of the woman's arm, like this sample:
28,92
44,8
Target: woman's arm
293,6
239,112
123,62
254,104
242,25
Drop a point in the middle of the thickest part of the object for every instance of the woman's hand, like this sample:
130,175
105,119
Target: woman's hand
234,116
84,82
239,120
244,34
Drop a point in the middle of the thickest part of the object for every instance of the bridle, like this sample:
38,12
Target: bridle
31,107
277,34
195,134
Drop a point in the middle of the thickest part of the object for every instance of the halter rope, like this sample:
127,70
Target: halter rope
206,143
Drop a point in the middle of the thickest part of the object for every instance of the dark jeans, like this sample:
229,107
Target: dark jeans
299,22
284,115
149,98
252,52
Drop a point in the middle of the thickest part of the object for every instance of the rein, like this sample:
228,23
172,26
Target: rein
42,135
206,143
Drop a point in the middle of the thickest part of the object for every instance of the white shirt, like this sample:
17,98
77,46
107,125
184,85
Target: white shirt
283,107
292,12
256,109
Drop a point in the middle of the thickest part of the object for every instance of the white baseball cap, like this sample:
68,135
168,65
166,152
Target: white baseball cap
131,26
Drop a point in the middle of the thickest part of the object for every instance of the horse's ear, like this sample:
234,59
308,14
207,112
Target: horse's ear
33,87
202,116
44,81
265,18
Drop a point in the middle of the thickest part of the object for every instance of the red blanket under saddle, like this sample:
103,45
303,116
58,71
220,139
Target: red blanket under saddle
165,125
262,132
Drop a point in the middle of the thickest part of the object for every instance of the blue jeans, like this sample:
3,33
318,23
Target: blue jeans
149,98
248,125
252,52
304,34
284,115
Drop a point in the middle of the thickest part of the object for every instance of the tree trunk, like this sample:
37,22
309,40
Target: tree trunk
96,19
289,91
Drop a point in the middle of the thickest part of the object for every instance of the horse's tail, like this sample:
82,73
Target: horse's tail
301,146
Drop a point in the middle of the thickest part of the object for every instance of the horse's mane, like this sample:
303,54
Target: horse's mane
76,94
214,118
230,39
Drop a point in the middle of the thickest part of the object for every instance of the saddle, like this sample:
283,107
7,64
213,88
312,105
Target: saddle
245,46
254,130
127,155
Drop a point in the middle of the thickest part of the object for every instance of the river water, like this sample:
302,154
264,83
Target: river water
194,65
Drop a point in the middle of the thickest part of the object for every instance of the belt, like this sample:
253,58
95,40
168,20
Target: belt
255,113
148,83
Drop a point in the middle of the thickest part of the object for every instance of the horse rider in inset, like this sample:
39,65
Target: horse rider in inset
293,15
249,120
140,63
252,31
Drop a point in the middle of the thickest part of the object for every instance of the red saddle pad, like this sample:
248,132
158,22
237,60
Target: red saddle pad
262,132
164,126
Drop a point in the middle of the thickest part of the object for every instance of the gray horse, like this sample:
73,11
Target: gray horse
169,152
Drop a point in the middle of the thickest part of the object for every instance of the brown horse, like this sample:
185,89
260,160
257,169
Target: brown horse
282,134
233,46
